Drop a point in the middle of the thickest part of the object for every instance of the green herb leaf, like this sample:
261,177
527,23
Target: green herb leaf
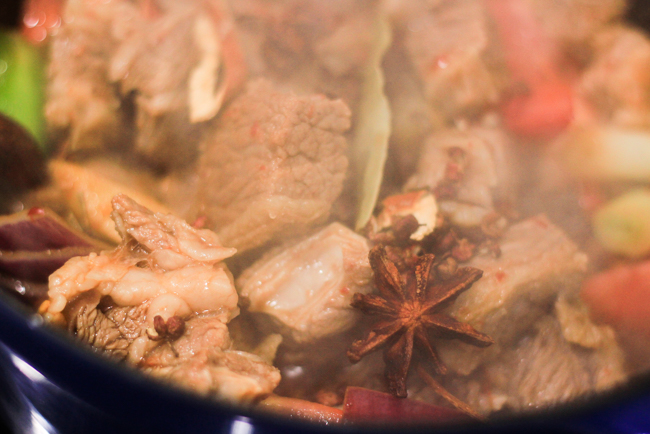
22,83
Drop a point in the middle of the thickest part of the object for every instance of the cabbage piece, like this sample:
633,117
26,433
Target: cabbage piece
370,142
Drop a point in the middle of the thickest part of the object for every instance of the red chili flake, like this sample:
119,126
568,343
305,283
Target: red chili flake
255,130
200,222
35,211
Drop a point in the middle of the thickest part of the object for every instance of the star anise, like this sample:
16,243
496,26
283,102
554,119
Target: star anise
410,306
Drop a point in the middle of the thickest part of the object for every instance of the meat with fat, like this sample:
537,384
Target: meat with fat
307,288
161,299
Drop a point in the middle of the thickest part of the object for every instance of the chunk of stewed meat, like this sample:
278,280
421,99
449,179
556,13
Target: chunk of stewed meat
272,165
308,287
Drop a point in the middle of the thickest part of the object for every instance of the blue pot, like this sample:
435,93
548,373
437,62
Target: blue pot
49,383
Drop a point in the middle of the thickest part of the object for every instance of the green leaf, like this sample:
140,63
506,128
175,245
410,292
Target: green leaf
22,83
370,142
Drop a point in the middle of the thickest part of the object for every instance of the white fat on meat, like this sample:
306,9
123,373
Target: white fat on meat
161,259
308,287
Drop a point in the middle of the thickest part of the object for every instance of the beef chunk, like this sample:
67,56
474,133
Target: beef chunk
162,299
537,261
149,70
272,165
111,331
482,156
308,287
617,82
82,102
546,351
308,46
202,360
447,43
573,22
542,369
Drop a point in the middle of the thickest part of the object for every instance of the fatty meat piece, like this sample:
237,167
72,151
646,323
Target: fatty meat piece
163,268
308,287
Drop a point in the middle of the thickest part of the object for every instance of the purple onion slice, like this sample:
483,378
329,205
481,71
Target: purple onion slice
36,242
37,266
39,229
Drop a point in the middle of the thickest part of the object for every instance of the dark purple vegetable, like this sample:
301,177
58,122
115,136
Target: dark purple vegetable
33,244
37,266
40,229
370,406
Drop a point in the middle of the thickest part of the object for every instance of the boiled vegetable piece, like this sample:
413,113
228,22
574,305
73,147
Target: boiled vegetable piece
40,18
544,112
623,225
22,84
607,153
370,406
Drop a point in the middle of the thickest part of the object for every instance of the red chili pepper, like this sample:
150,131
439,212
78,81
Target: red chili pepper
621,297
541,105
41,17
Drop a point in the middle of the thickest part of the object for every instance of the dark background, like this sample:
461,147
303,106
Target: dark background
10,13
